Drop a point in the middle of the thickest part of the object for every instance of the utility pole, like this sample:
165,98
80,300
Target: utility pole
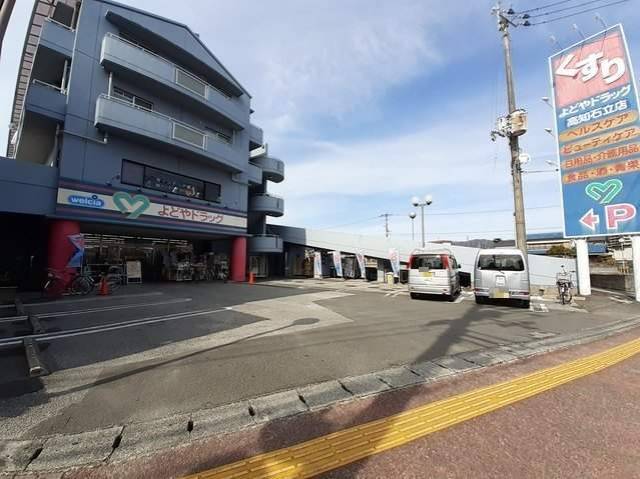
386,224
514,146
6,7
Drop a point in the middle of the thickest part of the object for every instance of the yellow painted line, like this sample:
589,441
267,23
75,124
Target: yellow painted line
338,449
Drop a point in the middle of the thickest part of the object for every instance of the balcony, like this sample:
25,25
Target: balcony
154,128
254,174
264,244
255,137
57,37
268,204
165,78
272,168
46,100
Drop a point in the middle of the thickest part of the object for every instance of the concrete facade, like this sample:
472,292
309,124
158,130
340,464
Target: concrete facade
103,85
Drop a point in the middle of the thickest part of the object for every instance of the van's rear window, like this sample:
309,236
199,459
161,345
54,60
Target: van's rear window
501,262
431,261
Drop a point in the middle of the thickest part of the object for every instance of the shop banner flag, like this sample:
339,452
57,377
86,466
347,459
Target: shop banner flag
337,263
598,133
77,241
361,264
317,264
394,257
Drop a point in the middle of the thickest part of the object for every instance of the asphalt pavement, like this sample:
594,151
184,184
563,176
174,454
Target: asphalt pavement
174,348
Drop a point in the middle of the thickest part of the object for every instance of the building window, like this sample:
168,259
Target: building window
131,98
137,174
212,192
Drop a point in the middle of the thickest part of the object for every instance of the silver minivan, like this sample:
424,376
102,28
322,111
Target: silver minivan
501,273
433,272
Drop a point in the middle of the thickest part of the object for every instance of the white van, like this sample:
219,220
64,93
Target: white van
433,272
501,273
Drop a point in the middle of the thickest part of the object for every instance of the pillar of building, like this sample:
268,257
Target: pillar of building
60,249
582,264
635,247
239,259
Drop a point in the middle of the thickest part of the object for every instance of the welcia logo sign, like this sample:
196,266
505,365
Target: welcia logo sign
88,201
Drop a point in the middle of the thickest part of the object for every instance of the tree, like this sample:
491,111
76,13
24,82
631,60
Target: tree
561,250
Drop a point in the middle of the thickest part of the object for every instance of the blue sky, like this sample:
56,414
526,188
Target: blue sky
371,102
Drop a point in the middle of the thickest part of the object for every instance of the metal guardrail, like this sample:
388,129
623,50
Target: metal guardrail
49,85
177,68
203,146
60,24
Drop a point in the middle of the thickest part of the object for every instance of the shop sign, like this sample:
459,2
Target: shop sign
337,262
361,264
598,132
394,258
133,206
77,240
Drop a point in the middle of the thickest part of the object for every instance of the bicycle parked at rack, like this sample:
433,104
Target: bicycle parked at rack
565,285
58,282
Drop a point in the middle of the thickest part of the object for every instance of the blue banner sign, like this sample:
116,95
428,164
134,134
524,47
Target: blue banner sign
598,132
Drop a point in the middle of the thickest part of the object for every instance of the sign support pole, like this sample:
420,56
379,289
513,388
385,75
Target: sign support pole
635,245
582,263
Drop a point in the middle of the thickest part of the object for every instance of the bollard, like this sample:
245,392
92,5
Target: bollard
252,278
34,364
36,327
20,311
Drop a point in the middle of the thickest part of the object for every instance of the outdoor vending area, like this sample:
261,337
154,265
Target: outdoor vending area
308,262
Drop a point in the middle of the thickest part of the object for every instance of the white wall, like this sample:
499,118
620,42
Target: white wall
543,269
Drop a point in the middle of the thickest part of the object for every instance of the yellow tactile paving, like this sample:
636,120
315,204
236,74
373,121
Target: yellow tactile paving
328,452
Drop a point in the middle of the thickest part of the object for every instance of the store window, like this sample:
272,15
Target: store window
132,98
137,174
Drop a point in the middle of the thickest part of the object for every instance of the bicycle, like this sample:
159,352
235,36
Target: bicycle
58,284
565,285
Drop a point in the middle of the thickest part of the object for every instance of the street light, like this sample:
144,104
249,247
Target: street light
415,201
412,215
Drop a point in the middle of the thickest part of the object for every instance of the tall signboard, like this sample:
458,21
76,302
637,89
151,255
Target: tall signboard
598,133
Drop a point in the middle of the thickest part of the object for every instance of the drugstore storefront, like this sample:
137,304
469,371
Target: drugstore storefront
166,239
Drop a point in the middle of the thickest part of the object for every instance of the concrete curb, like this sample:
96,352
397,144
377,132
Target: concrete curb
124,442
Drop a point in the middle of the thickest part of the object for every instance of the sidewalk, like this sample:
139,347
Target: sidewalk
585,428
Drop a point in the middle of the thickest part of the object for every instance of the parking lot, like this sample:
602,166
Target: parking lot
153,350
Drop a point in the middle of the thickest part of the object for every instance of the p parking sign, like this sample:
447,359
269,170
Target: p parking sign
598,133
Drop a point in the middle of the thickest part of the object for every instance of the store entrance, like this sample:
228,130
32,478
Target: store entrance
146,259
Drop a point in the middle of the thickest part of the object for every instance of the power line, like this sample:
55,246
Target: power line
349,224
488,211
546,6
551,12
575,13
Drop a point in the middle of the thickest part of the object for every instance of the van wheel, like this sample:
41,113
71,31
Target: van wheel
480,300
451,297
414,295
525,303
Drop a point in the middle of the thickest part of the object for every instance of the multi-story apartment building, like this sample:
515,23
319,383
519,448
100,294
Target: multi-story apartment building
125,126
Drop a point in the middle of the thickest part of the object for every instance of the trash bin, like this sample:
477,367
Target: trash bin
404,276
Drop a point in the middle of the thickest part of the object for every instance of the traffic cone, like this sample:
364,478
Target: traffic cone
252,279
104,287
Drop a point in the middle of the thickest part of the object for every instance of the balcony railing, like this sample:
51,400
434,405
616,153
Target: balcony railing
267,203
181,76
179,130
265,244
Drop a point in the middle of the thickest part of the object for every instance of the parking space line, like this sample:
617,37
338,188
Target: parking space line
92,298
110,327
338,449
110,308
